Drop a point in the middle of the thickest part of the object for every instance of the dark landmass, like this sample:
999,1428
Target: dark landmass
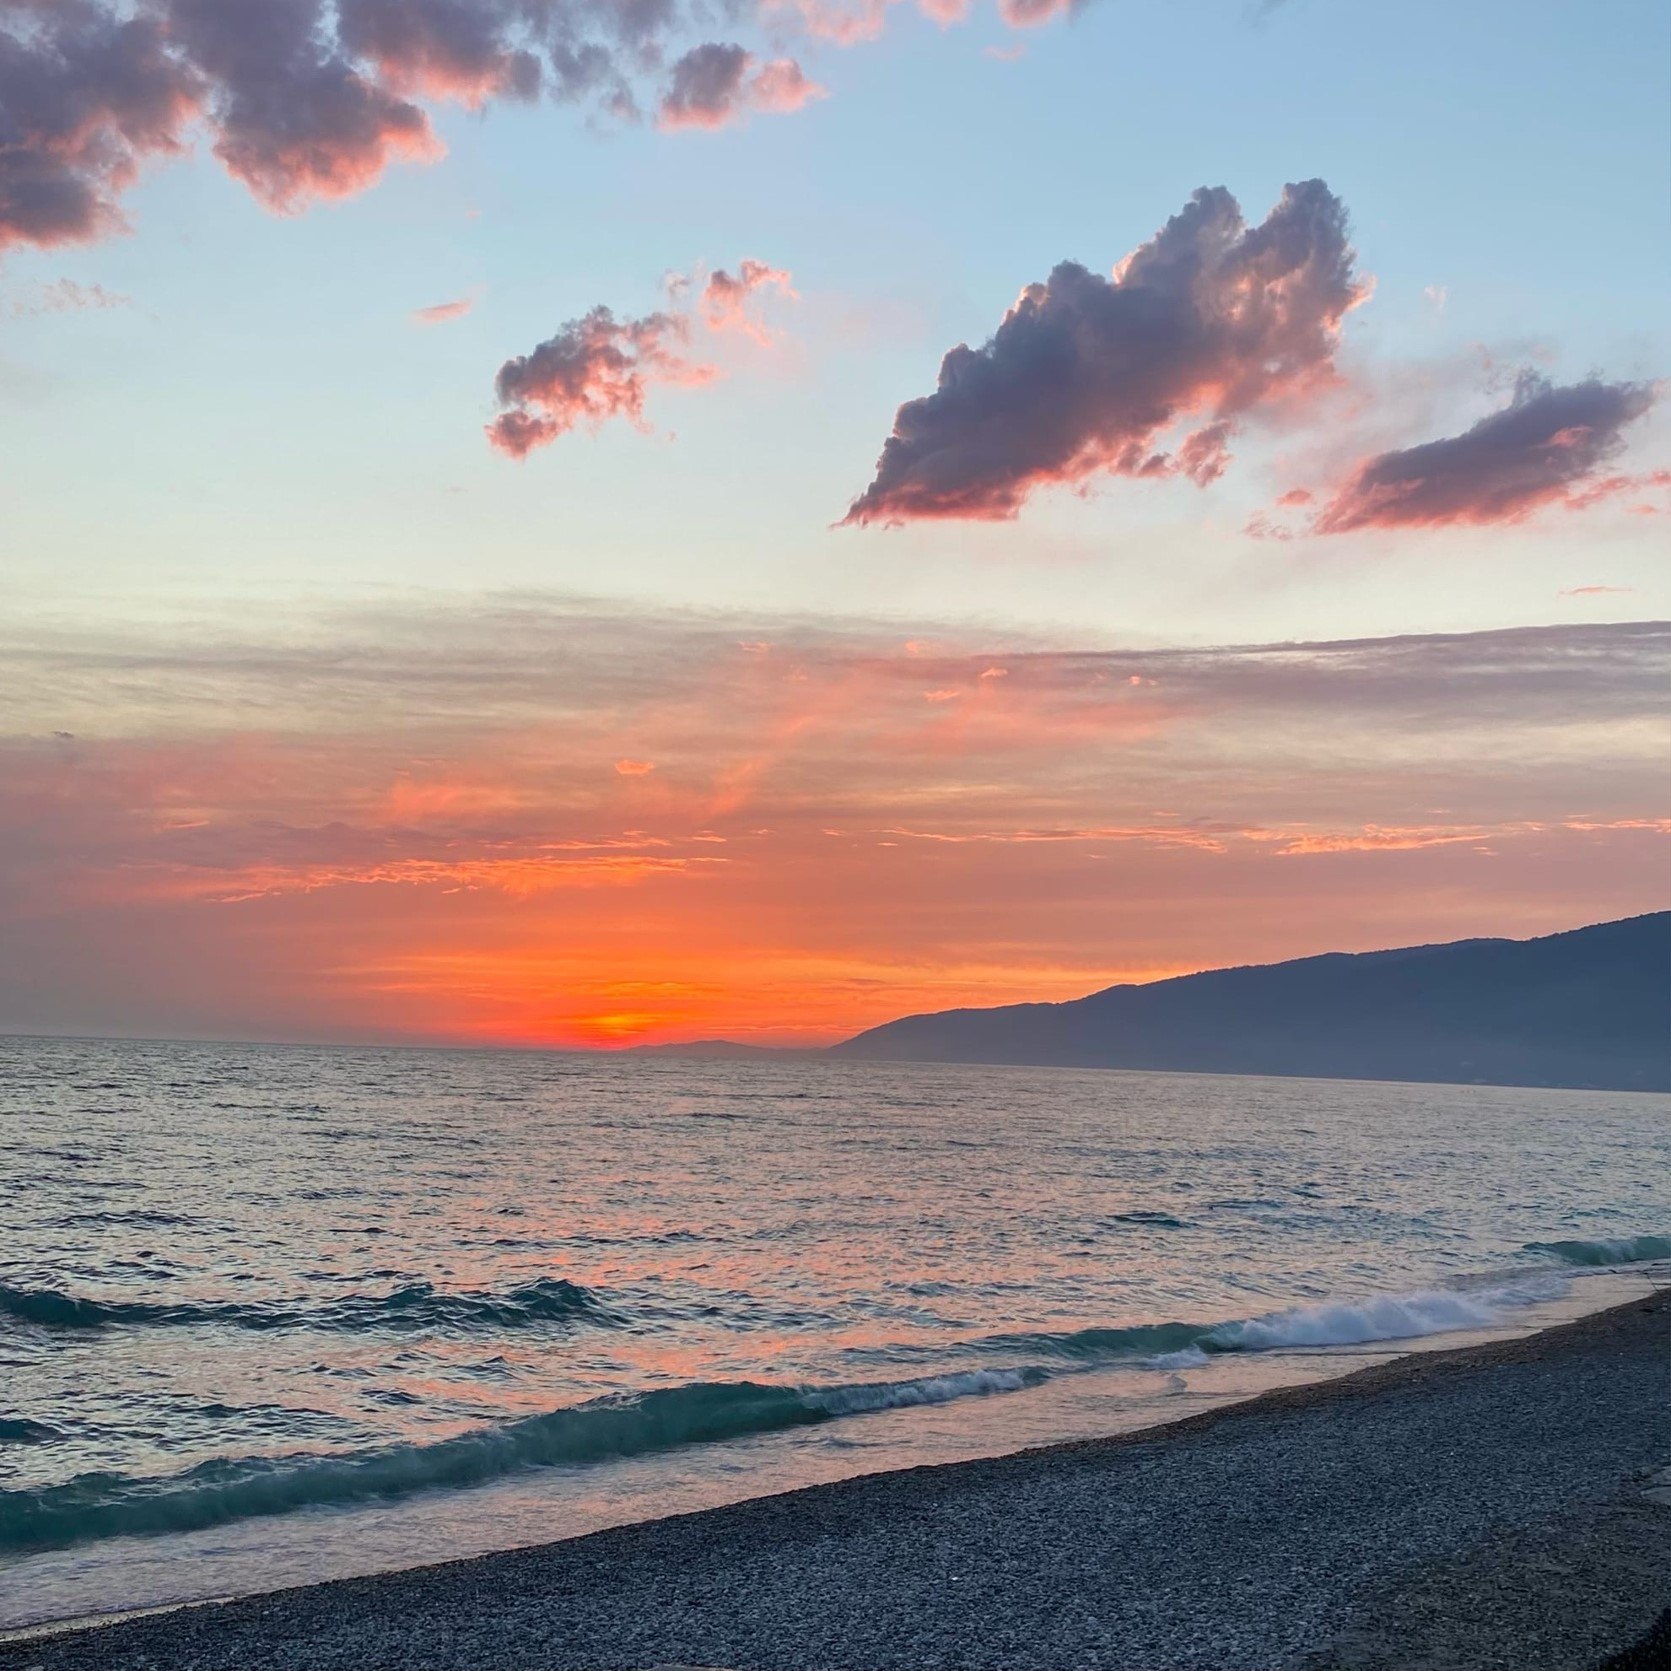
1589,1008
1495,1506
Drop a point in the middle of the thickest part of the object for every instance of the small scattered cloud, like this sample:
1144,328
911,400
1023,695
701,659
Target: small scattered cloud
715,84
1546,447
594,369
781,87
1591,591
1437,296
600,367
66,296
635,768
1259,526
1029,14
1005,54
726,299
442,312
1209,322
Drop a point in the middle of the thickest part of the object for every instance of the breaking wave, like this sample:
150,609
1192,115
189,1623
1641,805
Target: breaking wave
419,1306
115,1505
1335,1323
1627,1250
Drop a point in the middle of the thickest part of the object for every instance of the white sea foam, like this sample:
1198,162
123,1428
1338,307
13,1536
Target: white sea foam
1191,1357
1386,1316
930,1389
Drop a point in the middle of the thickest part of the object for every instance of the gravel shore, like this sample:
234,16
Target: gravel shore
1503,1505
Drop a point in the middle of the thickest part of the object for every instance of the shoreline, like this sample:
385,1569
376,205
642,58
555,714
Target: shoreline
1231,1379
1575,1423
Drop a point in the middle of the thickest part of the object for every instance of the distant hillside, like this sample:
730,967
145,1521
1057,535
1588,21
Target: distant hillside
1587,1008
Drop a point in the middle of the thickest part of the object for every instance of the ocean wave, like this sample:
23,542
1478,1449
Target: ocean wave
866,1399
102,1505
417,1307
1625,1250
1383,1317
20,1430
105,1505
1332,1323
1090,1347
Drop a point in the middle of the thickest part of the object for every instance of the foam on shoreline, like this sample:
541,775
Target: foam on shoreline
1456,1389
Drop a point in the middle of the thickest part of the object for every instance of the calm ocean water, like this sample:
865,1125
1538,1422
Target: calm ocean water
270,1314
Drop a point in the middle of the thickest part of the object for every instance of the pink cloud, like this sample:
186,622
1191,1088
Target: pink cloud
1209,322
293,119
442,312
88,97
782,87
1610,487
444,49
1591,591
716,84
1028,14
725,299
595,368
303,100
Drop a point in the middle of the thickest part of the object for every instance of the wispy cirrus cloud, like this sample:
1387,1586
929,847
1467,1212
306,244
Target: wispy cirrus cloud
67,296
1203,327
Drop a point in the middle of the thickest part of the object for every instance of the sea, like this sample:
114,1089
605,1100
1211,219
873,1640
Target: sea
274,1314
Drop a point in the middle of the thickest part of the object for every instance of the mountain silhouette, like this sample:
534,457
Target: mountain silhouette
1587,1008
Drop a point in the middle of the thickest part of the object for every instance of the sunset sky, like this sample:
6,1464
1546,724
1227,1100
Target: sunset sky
585,522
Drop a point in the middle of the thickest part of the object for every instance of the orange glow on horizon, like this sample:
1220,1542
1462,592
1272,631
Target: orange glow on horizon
700,833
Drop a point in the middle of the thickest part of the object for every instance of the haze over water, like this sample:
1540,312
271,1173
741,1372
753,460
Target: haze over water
293,1312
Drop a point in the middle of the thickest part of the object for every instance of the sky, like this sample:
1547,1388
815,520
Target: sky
591,522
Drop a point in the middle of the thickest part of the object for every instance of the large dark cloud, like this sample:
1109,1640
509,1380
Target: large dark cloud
306,99
293,118
1204,324
444,48
85,96
1547,446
